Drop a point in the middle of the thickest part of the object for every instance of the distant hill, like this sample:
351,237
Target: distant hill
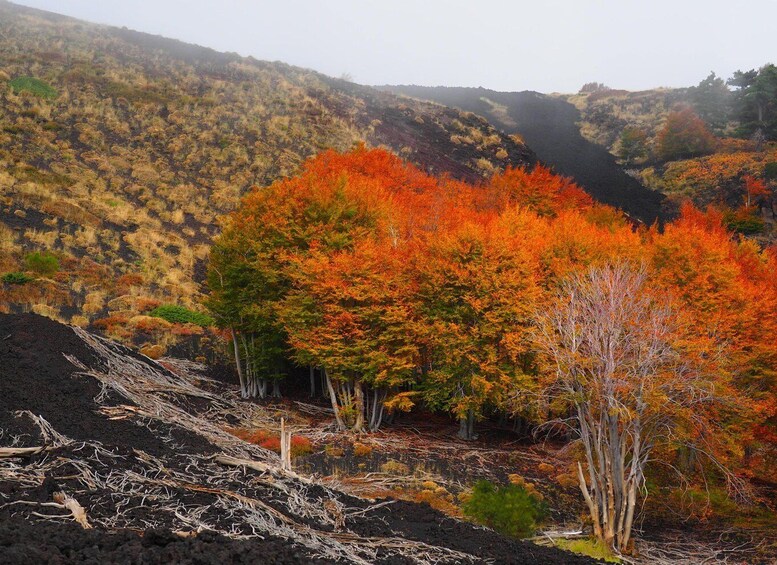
549,125
120,150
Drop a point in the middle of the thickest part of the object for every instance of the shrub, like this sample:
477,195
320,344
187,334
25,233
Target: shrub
744,221
180,315
153,351
33,86
361,450
684,135
17,278
510,510
300,445
42,262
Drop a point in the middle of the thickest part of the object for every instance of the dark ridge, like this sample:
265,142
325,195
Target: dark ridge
549,126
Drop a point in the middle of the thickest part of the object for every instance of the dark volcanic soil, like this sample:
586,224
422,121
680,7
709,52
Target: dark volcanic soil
549,127
35,376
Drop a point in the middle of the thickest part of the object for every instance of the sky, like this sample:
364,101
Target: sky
543,45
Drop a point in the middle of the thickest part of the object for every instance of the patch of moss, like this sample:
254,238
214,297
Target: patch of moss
34,86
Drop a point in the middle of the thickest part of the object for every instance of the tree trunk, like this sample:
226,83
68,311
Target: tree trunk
243,390
333,398
358,425
312,382
467,426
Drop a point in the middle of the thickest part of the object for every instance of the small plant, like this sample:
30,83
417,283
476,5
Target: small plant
17,278
300,445
42,262
180,315
361,450
592,548
510,510
33,86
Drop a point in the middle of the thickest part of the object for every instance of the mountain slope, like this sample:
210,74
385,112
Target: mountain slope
549,126
120,150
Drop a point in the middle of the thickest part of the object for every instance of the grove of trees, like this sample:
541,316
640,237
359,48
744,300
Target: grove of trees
520,296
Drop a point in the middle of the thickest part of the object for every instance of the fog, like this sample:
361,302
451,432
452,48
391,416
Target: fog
545,45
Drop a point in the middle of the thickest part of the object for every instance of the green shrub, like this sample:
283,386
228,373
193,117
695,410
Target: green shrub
770,170
34,86
510,510
42,262
180,315
17,278
746,224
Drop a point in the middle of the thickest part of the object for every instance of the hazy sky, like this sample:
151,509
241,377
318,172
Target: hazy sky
545,45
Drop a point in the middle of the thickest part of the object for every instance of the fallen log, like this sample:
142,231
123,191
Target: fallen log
19,451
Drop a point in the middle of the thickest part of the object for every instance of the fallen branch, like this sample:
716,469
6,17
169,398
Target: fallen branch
78,512
19,451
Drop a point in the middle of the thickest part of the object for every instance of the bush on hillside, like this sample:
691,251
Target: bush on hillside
683,136
180,315
33,86
42,262
17,278
510,510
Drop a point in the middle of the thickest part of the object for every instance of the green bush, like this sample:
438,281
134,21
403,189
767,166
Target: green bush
17,278
42,262
746,224
180,315
510,510
34,86
770,170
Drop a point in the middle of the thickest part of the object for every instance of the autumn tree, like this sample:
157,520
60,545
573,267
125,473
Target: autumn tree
684,135
350,314
617,357
476,295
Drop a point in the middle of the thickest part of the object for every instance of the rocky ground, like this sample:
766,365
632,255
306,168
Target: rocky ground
141,447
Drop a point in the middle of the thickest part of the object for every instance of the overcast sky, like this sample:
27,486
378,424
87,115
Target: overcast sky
544,45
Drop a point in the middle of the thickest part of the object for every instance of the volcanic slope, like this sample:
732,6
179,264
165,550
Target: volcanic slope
119,152
549,125
141,447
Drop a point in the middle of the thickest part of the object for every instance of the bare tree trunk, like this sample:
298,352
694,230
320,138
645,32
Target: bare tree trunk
285,447
333,398
312,382
239,365
358,424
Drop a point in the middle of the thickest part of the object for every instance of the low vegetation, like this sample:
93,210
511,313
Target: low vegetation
119,151
510,510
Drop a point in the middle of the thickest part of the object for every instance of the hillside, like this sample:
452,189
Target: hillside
119,150
549,125
714,175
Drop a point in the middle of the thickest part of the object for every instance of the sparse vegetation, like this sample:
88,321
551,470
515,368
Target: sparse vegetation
510,510
17,278
33,86
42,263
180,315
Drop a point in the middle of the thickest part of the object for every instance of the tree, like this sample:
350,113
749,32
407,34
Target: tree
683,136
476,293
712,101
633,145
755,101
618,359
350,314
